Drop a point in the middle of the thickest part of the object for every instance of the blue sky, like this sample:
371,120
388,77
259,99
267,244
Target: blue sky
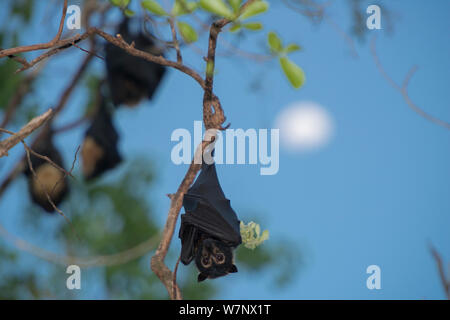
375,194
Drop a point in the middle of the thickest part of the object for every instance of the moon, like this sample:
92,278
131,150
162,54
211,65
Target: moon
304,126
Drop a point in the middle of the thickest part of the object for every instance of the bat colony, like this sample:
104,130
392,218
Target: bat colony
130,80
209,229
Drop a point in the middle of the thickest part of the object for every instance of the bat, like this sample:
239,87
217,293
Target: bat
48,180
209,229
131,78
99,152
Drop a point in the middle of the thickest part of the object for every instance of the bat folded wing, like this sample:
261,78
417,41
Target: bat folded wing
217,220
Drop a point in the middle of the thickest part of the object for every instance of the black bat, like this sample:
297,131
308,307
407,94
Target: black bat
48,180
131,78
99,152
209,229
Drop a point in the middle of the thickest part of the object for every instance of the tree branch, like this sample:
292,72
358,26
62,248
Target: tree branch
440,265
84,262
60,106
210,121
26,130
404,88
41,46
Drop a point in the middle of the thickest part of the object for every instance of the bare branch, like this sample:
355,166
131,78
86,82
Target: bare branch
41,46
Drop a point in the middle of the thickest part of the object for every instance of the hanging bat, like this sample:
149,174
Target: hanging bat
209,229
131,78
99,152
49,179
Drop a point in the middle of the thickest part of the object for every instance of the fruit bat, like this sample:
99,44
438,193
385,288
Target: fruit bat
48,180
99,152
131,78
209,229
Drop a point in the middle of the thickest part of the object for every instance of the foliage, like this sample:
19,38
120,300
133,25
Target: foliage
251,235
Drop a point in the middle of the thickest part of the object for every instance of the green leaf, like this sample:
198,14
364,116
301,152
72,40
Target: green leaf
236,27
217,7
275,43
153,7
254,9
235,4
292,48
181,7
253,26
210,68
120,3
294,73
251,235
129,13
187,32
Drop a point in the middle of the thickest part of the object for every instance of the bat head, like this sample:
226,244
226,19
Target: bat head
214,259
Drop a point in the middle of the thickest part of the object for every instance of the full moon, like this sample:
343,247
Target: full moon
304,126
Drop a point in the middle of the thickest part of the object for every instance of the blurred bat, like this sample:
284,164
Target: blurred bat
48,180
99,151
131,78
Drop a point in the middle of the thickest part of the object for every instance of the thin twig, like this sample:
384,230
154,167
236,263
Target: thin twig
41,46
440,265
87,51
175,40
404,88
84,262
43,157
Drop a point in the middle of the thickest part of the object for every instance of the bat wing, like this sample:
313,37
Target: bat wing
222,224
188,235
207,184
208,210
